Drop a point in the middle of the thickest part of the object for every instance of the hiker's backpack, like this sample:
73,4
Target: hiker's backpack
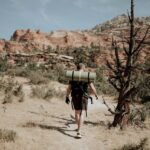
79,88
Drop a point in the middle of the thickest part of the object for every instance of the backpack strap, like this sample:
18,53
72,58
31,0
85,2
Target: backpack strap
72,105
72,75
88,77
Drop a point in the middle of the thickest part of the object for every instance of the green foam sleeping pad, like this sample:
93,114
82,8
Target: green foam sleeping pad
80,76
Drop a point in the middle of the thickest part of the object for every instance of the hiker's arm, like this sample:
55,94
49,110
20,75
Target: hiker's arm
68,90
68,93
93,89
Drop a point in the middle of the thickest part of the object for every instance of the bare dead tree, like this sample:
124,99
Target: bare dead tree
123,71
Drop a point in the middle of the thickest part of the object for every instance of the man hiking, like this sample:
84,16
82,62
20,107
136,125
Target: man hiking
79,94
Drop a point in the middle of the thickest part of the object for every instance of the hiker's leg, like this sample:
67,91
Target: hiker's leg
82,117
81,120
78,118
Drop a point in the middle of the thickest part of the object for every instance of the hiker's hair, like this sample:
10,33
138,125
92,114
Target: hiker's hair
80,66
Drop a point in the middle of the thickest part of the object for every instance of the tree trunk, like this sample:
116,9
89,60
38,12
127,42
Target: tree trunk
122,114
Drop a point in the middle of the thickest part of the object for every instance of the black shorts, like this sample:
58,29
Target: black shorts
80,102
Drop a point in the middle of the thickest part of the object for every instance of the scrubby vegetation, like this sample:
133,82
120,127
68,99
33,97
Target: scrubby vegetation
141,146
86,55
38,74
139,115
47,92
144,83
7,135
3,64
101,83
10,89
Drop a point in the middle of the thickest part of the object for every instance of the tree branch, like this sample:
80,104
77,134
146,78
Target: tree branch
114,84
136,32
129,16
142,41
110,66
109,109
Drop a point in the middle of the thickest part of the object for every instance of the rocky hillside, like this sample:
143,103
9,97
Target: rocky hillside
120,22
25,41
28,40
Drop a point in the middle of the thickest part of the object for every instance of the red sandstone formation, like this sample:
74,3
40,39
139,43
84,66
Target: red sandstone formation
29,41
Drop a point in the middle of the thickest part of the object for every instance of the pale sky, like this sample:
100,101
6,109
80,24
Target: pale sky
48,15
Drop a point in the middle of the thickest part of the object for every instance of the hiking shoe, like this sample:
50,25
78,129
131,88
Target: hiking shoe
79,135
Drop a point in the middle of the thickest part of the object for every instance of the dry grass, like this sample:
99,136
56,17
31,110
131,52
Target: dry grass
29,124
141,146
10,89
7,135
139,116
95,124
46,92
37,78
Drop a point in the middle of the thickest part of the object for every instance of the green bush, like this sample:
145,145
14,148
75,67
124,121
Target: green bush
3,64
32,66
142,93
102,85
138,116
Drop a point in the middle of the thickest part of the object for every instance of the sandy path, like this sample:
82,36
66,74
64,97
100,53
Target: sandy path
48,125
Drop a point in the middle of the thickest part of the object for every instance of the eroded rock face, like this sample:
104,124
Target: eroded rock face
58,38
2,45
29,40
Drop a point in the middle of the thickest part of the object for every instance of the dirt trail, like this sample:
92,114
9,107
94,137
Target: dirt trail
49,125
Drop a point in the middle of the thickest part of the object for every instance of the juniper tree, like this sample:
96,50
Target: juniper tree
124,74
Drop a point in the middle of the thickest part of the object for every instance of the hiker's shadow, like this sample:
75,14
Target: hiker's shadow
62,130
66,122
62,120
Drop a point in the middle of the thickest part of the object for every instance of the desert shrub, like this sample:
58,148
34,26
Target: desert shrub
101,83
3,64
32,66
38,75
7,135
51,74
11,88
18,92
30,124
62,79
18,71
61,73
2,83
46,92
86,55
145,90
37,78
142,94
56,74
146,108
139,115
141,146
23,70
